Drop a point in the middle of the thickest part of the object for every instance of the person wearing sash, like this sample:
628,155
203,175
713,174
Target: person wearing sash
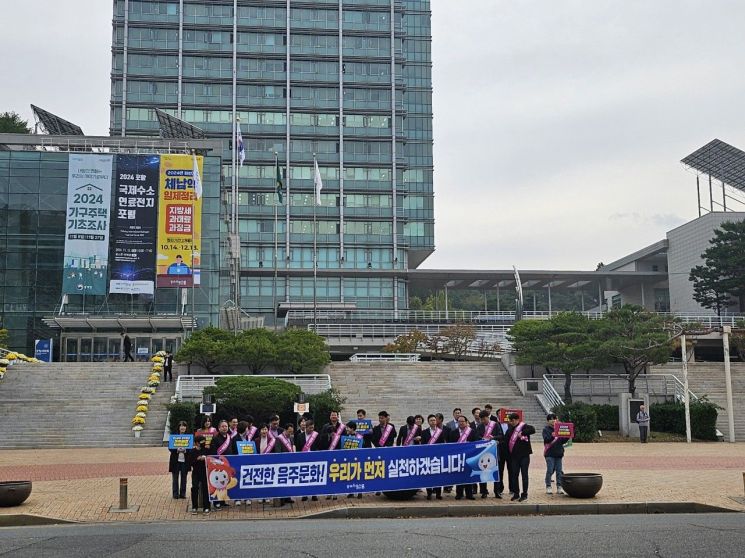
222,444
266,443
519,448
453,424
207,430
287,438
274,426
433,435
233,429
488,408
446,435
553,451
198,466
366,438
332,432
464,433
488,429
408,433
246,433
309,440
475,412
503,456
384,433
178,466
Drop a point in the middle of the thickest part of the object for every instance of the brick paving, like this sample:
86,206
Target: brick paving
81,485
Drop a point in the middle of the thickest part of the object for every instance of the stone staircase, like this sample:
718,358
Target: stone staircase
66,405
707,378
405,389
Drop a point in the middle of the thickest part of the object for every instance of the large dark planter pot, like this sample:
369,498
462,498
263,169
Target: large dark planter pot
14,493
582,485
400,494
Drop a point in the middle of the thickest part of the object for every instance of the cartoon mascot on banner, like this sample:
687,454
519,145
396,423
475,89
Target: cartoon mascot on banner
484,464
221,478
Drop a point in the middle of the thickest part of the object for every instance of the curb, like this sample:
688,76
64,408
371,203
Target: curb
394,512
26,520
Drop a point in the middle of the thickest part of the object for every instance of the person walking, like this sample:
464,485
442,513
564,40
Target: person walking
127,348
168,367
642,419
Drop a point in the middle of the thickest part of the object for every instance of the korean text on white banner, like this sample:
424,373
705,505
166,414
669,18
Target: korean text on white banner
87,224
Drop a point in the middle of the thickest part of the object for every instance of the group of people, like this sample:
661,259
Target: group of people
512,437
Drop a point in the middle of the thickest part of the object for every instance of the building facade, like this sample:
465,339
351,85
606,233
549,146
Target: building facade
348,81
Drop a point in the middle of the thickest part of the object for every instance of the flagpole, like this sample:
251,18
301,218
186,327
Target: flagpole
276,205
315,248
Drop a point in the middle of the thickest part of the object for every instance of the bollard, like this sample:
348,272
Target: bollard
123,499
743,482
123,494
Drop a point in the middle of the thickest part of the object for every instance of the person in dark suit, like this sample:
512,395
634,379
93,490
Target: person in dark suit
475,412
308,440
433,435
223,444
464,433
519,450
168,367
178,466
503,457
406,430
384,433
196,459
127,348
446,434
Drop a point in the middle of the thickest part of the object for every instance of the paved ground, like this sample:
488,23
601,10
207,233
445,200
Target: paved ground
81,485
679,536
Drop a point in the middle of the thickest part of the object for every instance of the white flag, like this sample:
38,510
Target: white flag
197,178
317,182
239,141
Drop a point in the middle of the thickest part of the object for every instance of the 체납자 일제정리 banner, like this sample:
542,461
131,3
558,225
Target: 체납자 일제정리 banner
179,223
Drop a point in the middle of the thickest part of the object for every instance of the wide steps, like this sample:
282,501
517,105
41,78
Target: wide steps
65,405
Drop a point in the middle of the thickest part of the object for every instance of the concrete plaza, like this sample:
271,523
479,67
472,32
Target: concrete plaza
81,485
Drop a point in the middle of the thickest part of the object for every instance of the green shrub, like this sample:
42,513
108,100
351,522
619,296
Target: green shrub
183,411
670,417
583,416
321,405
607,417
260,397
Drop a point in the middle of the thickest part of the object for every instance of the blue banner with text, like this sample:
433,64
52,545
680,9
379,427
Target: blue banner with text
280,475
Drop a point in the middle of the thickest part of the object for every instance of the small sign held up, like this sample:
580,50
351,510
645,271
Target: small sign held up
564,430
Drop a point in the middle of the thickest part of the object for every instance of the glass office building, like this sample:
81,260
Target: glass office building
33,204
346,80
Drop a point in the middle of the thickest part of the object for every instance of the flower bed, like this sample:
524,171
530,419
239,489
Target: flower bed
146,393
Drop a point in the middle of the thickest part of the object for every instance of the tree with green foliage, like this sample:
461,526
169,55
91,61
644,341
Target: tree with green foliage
321,405
256,349
210,347
723,274
12,123
258,396
301,352
636,338
565,343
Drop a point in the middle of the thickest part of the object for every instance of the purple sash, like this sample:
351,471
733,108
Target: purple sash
411,434
233,433
547,447
516,434
386,433
225,445
337,436
435,436
286,443
489,430
309,441
271,440
464,435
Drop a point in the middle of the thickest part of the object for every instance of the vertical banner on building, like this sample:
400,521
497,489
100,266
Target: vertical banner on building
87,224
179,222
134,224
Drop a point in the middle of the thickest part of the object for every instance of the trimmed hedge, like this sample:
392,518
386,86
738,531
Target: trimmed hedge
183,411
583,416
321,405
670,417
607,417
260,397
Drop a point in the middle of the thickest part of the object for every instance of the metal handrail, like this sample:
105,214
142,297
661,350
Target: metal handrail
388,357
191,387
666,385
550,393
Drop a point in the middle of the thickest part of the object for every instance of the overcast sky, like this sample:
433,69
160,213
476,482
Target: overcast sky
559,126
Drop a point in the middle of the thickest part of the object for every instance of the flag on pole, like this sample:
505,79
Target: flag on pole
239,140
280,185
317,182
196,177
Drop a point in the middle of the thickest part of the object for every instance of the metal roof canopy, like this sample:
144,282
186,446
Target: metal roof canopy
172,127
721,161
54,125
120,323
